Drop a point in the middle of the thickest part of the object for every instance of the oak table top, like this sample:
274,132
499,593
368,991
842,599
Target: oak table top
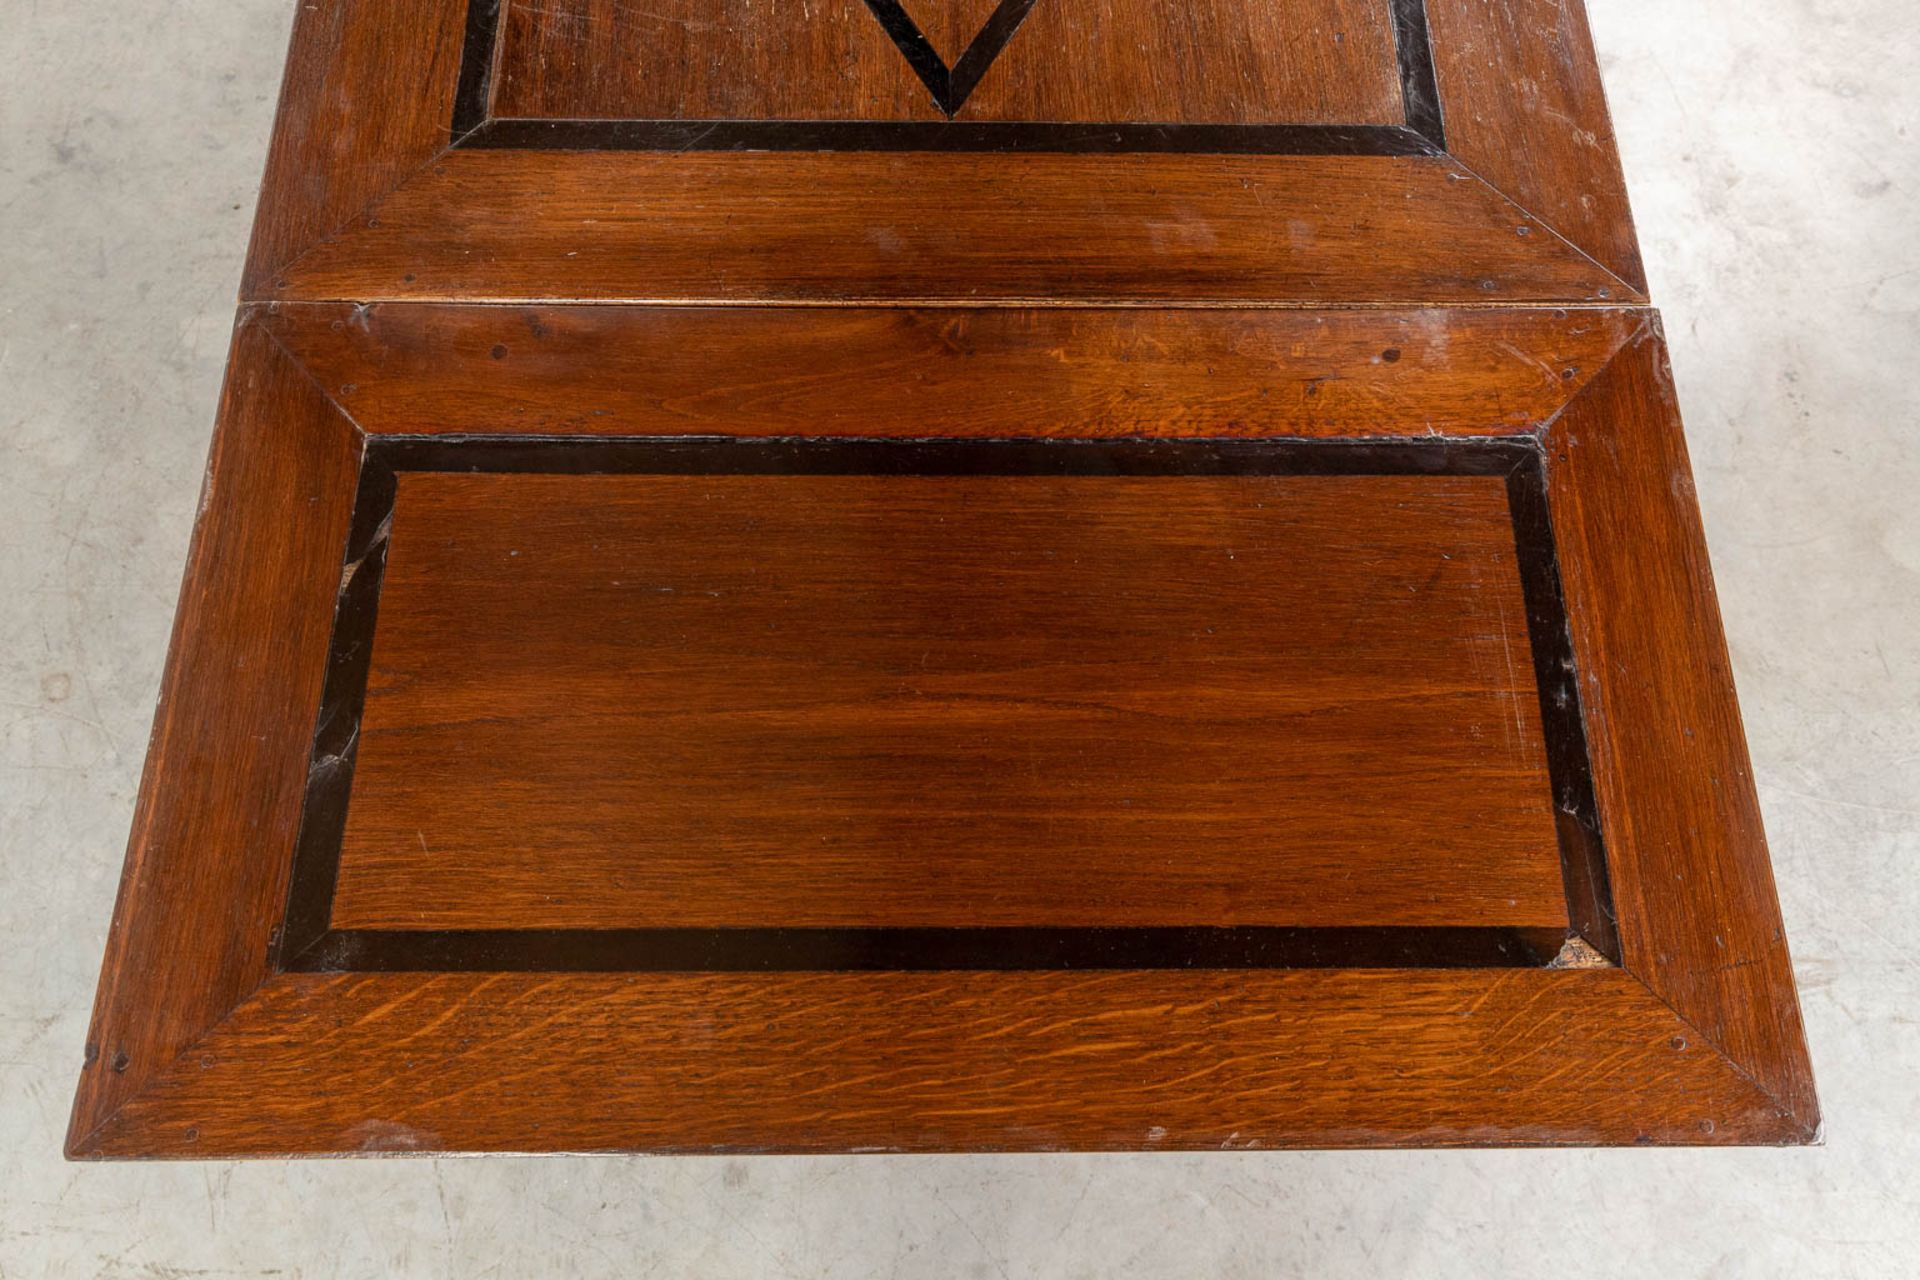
926,575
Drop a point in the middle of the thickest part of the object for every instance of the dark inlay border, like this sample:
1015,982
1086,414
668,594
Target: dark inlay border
1419,82
478,54
308,943
1583,858
896,950
1423,134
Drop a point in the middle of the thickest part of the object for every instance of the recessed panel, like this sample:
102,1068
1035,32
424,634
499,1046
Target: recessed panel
1098,61
1204,62
694,60
957,701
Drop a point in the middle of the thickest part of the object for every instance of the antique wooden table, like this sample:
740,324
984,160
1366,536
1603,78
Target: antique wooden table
932,575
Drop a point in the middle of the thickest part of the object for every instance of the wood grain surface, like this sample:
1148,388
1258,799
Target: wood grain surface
1287,61
948,1062
1526,111
674,701
212,837
1204,62
366,100
1700,919
365,149
218,1064
423,368
839,227
607,701
703,60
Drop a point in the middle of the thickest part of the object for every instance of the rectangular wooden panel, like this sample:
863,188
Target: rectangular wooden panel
1310,629
926,574
991,700
1023,60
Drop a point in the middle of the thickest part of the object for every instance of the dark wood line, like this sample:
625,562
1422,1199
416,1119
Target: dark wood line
900,950
1423,134
953,135
985,46
336,735
788,455
1583,861
1419,82
474,94
309,944
916,49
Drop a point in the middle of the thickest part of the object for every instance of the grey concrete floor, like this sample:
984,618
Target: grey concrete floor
1770,148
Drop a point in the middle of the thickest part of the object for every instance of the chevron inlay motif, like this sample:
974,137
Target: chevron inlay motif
950,86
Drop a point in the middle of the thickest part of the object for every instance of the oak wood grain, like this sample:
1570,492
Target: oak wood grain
1376,1058
920,1062
680,701
366,100
703,60
1171,294
951,25
1526,111
1204,62
821,226
425,368
212,835
1107,61
1699,916
371,84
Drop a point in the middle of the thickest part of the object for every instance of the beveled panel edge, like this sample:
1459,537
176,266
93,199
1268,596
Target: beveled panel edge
363,104
212,833
1699,914
885,228
421,368
1302,1058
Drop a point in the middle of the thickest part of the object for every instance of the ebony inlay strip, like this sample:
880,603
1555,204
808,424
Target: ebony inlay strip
921,949
474,94
982,50
309,944
1419,83
336,737
733,455
1423,134
950,86
1583,861
915,48
955,135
